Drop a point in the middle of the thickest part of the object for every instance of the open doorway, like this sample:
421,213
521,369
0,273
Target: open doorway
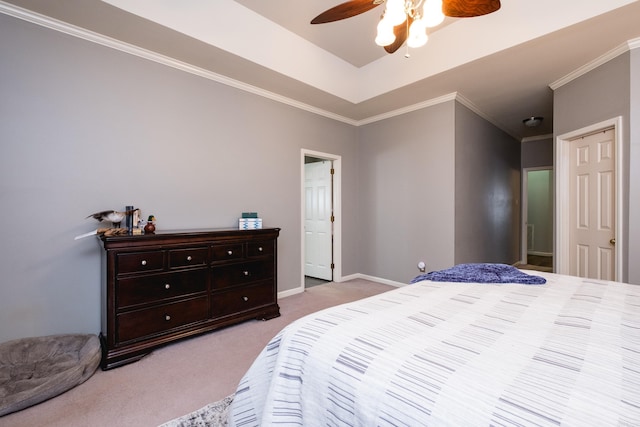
537,218
320,218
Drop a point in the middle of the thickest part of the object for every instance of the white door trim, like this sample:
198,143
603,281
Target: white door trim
562,199
525,206
337,212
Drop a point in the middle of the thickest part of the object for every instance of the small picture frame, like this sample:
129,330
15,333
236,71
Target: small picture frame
136,218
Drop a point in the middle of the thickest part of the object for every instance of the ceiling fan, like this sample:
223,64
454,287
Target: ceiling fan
407,20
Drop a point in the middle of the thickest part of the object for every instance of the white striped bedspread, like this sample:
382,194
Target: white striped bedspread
456,354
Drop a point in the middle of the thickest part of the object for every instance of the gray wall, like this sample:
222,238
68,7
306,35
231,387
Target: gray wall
439,185
487,191
85,128
538,153
406,197
603,94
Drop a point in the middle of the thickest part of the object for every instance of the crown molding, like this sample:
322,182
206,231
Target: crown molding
592,65
93,37
453,96
537,138
470,105
408,109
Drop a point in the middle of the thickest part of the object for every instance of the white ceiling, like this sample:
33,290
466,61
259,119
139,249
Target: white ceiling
501,64
350,39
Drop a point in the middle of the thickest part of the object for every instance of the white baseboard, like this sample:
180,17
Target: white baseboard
300,289
290,292
538,253
373,279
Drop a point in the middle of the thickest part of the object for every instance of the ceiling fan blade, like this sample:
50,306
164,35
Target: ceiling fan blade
469,8
401,31
345,10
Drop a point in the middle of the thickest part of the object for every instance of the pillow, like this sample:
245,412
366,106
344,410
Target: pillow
481,273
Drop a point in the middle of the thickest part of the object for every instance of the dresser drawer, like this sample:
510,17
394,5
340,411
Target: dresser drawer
242,273
141,323
260,248
187,257
242,299
232,251
134,262
142,290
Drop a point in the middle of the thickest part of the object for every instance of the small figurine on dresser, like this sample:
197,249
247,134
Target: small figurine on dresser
114,217
150,227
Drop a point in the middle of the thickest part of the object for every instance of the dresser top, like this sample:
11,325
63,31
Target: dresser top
161,237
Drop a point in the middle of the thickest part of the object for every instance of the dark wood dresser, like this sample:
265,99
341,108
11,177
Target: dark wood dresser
162,287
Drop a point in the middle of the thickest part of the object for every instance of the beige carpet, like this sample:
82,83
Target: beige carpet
182,377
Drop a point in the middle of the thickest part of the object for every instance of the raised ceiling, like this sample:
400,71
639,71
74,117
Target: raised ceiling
500,64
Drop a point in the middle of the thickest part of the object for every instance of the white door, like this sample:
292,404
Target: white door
592,206
317,220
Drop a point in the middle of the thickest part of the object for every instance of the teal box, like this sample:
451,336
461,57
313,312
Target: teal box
249,223
249,214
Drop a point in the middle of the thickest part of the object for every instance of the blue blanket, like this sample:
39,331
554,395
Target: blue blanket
482,273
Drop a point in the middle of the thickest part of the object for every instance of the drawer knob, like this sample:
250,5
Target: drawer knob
230,252
143,262
167,317
245,298
189,258
167,286
260,249
246,273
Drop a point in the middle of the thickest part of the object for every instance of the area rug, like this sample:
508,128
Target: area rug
215,414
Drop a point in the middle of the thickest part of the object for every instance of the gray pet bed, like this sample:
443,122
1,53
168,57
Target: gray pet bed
36,369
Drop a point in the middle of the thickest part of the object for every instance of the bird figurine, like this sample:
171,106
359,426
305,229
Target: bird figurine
115,217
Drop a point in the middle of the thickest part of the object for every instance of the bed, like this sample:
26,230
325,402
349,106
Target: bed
566,352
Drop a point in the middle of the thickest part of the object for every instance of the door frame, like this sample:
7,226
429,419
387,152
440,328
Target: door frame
562,199
337,212
525,206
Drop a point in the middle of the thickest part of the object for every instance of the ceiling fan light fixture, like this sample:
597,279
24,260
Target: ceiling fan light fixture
417,34
432,13
533,121
395,12
385,39
385,35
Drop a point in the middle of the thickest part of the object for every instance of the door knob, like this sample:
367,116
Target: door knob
612,241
